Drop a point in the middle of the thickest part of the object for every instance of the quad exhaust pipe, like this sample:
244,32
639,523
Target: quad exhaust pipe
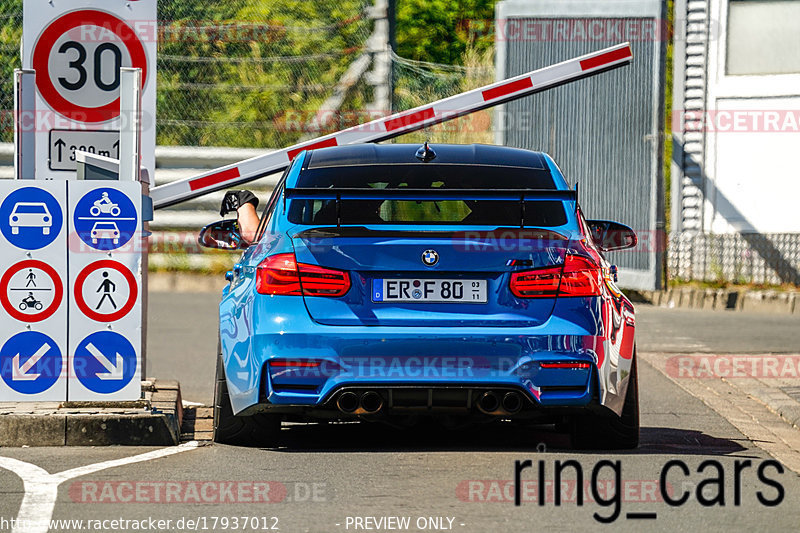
512,402
371,402
368,403
491,403
347,402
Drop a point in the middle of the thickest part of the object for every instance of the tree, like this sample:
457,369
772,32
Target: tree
438,31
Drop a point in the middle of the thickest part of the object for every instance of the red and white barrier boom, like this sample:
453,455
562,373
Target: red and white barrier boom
398,124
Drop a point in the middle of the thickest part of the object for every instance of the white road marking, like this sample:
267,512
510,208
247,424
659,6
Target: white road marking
41,487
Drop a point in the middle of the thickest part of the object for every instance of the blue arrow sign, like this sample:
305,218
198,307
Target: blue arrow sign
105,219
30,362
105,362
30,218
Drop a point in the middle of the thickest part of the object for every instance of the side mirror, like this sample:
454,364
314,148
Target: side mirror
223,235
609,235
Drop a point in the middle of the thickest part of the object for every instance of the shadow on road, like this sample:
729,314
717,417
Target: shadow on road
365,437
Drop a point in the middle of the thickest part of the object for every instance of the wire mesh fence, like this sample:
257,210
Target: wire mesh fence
760,258
258,73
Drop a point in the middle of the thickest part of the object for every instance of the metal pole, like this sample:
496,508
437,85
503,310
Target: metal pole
130,145
130,139
24,124
379,46
391,14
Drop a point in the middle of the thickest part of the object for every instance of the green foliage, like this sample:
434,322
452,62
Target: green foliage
439,31
235,85
254,72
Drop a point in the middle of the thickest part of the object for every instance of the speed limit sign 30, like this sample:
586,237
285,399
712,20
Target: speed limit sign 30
76,48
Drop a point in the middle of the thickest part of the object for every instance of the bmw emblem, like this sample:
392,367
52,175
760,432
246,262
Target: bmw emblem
430,257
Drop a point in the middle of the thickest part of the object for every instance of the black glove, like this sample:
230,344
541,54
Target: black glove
235,199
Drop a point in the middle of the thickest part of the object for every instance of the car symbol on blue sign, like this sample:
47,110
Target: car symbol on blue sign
105,219
30,362
105,362
30,218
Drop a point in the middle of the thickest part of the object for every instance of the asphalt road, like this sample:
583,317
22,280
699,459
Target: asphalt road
327,477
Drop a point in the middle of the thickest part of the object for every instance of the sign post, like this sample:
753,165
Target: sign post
24,124
33,262
77,51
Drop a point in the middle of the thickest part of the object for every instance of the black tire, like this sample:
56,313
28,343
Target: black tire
255,430
611,433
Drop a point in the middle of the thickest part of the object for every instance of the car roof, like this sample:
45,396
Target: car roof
468,154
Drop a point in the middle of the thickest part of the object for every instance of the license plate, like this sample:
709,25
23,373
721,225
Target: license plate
429,290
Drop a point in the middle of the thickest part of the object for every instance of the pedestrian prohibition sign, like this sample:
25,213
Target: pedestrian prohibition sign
31,291
30,362
105,290
105,362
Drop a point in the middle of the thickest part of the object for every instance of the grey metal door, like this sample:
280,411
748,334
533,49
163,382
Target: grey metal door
603,132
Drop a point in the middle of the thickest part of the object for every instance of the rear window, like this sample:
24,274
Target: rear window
483,212
423,176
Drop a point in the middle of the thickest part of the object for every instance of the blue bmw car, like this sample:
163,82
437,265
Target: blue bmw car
397,282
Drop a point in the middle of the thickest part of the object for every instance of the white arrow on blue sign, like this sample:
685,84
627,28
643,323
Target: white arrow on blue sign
30,362
105,362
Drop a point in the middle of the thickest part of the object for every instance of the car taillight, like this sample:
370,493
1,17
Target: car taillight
579,277
565,365
282,274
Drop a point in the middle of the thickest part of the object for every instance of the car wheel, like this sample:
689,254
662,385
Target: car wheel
611,433
255,430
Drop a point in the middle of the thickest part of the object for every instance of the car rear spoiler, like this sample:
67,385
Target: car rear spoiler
339,194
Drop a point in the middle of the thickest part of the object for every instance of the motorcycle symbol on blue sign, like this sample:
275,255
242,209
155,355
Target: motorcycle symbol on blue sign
105,219
30,362
105,362
30,218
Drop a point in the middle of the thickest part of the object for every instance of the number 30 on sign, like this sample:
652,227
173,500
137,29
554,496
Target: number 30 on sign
77,48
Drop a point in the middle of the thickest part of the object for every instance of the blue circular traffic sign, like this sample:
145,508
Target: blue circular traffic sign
30,218
105,362
105,219
30,362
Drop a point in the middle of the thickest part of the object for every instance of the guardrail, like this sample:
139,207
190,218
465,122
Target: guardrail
175,163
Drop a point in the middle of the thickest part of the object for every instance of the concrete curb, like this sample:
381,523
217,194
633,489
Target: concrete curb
769,302
152,421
